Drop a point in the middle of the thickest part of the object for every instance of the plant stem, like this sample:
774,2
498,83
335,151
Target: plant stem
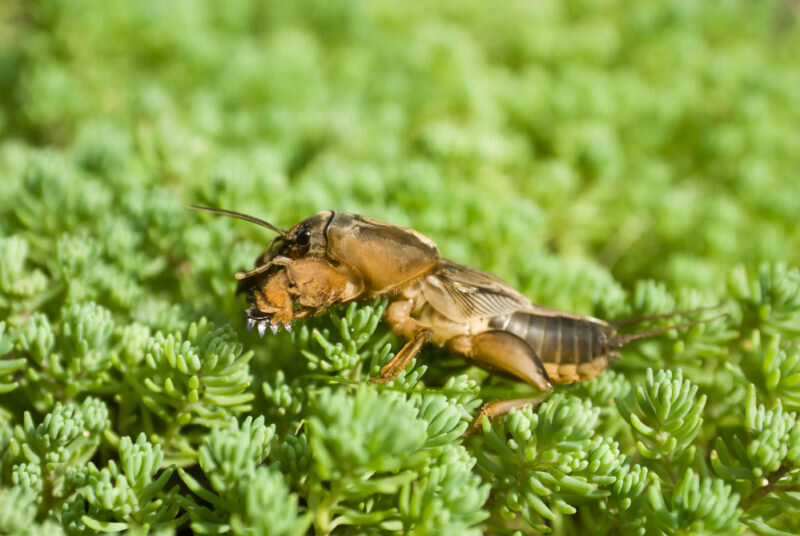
322,519
759,493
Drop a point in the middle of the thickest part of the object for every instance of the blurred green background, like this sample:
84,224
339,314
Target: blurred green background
640,139
607,157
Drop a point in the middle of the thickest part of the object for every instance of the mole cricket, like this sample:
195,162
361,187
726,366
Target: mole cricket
335,257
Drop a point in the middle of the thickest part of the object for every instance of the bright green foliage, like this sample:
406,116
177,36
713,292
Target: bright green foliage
18,514
130,496
285,398
229,458
345,350
230,453
447,499
44,458
771,302
268,508
368,432
8,366
603,392
543,462
386,461
77,361
198,380
761,460
774,367
696,506
617,158
17,281
766,450
665,414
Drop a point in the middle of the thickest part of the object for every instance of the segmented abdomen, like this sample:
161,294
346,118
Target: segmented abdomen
570,349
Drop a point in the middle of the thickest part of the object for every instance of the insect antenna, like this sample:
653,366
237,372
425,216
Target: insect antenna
622,340
630,321
239,276
239,215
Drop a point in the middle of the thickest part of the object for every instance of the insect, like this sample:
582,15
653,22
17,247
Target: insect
335,257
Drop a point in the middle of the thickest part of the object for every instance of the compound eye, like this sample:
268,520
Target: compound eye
303,238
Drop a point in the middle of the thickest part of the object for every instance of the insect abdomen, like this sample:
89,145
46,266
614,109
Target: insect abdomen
570,349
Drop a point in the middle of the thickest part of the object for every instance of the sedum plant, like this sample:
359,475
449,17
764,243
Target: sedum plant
617,159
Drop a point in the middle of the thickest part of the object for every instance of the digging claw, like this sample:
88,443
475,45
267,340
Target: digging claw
262,319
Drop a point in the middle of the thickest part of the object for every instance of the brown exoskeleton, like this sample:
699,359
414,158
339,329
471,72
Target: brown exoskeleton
336,257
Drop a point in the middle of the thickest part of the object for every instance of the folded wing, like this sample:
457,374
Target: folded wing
462,293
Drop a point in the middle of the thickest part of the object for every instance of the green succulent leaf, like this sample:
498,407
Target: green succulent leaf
633,162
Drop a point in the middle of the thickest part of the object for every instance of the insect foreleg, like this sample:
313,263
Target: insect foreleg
403,357
277,261
318,284
398,315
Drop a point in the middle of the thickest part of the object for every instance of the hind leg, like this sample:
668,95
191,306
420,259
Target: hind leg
502,351
500,408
